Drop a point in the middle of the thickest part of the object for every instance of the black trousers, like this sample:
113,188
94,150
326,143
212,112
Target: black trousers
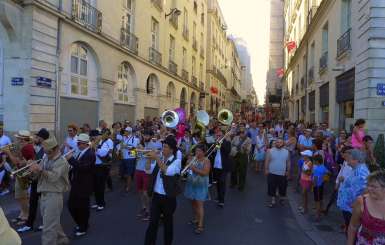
79,208
100,184
220,176
166,206
33,204
275,182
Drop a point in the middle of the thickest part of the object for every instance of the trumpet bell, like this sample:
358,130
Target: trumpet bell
225,117
170,119
203,117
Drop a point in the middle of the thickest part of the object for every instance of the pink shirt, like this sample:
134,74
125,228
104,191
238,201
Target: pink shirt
357,140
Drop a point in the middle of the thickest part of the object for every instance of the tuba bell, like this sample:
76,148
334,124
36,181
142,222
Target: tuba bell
170,119
202,121
225,117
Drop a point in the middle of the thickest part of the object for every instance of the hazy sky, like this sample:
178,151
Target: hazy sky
249,19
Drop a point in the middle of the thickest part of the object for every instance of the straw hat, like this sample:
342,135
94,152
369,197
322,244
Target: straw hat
50,143
23,134
84,138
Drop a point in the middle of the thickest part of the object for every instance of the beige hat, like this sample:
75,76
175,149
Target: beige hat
23,134
49,143
7,235
84,138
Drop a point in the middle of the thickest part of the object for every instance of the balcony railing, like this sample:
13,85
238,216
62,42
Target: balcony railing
343,43
185,75
302,83
323,62
202,52
195,44
158,4
185,33
87,15
173,67
311,74
128,40
194,80
155,56
174,20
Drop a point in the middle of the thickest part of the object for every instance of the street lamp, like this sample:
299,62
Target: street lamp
173,11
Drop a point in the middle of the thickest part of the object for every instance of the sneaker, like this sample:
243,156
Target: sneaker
80,233
94,206
4,192
40,228
221,205
99,208
76,228
24,229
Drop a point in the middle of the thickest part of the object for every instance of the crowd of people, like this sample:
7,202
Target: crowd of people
151,157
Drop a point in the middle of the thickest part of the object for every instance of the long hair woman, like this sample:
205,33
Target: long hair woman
197,187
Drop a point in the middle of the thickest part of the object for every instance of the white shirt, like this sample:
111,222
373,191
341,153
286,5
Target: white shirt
73,144
173,169
345,171
104,150
179,155
218,160
5,140
131,142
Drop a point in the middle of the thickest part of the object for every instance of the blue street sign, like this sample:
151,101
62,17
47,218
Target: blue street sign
381,89
17,81
44,82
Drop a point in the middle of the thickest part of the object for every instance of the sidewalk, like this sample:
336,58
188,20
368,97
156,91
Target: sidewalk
328,230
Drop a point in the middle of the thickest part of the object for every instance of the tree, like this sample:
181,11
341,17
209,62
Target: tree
379,151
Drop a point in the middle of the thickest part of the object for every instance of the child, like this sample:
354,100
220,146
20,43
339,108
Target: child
320,175
306,181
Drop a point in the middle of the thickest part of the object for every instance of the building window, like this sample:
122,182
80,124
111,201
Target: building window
172,48
151,84
79,70
184,57
123,82
201,72
195,7
325,38
193,70
185,19
154,34
128,18
346,15
170,92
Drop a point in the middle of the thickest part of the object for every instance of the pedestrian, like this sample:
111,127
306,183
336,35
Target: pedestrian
260,150
354,185
358,134
163,188
7,235
368,148
81,178
319,176
306,179
197,187
242,146
291,144
53,182
70,142
129,143
34,196
367,225
277,170
305,141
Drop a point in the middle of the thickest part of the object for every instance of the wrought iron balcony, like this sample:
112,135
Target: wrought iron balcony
343,43
185,33
185,75
323,62
194,80
87,15
173,67
158,4
174,20
202,52
128,40
195,44
155,56
311,74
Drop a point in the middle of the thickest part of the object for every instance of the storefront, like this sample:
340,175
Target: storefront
345,98
324,103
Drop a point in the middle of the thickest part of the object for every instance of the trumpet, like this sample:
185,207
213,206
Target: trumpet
9,147
25,172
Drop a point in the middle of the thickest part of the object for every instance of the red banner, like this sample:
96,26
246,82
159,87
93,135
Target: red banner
280,72
291,46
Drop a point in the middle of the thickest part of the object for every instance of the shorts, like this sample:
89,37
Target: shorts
318,193
128,167
305,184
21,188
141,179
275,182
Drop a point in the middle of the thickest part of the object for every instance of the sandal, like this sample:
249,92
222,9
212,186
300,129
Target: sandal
199,230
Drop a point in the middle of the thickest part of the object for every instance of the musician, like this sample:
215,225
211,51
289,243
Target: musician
52,174
241,146
34,196
4,180
163,188
104,148
81,178
222,166
4,139
27,152
129,143
71,140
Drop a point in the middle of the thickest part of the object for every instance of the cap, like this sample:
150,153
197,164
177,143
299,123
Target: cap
49,143
307,153
84,138
43,133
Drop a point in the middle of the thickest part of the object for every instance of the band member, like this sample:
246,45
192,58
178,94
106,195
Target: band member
142,176
222,166
4,166
241,146
34,196
27,152
71,140
52,175
163,187
103,158
7,235
129,143
4,139
81,178
197,186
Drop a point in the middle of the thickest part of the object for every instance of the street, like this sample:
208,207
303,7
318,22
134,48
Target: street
245,220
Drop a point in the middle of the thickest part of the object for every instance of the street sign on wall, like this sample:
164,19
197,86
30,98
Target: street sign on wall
44,82
381,89
17,81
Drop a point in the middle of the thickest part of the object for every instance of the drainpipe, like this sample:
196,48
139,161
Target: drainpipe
58,76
